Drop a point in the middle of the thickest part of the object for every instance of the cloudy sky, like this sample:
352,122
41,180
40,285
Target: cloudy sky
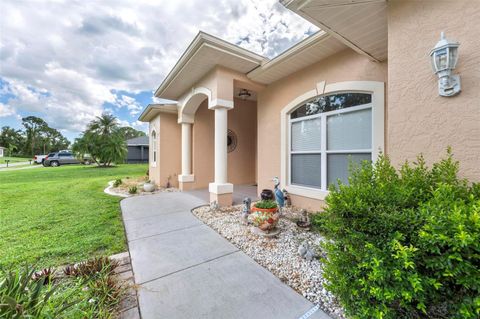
69,61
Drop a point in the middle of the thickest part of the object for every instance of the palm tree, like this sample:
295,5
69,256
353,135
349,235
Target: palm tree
103,141
104,124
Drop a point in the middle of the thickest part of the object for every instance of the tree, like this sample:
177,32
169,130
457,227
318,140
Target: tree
33,126
102,141
12,139
129,132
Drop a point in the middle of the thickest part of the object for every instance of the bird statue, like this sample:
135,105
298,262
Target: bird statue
279,197
246,209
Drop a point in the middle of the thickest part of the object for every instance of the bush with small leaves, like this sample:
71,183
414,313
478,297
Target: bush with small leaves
406,244
132,190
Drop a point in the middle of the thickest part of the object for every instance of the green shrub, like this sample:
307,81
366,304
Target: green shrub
406,244
117,182
266,204
132,190
26,294
320,223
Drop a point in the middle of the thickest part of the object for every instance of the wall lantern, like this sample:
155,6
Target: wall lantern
244,94
444,59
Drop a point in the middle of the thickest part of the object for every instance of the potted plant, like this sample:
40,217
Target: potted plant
148,186
265,215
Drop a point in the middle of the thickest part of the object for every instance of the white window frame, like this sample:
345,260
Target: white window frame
154,136
377,105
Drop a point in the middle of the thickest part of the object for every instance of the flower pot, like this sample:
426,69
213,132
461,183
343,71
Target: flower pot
264,218
148,187
266,194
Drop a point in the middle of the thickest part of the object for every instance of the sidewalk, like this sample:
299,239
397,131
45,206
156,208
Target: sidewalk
184,269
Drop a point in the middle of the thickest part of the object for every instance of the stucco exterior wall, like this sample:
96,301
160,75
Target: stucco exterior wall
242,161
344,66
420,121
203,146
170,152
242,120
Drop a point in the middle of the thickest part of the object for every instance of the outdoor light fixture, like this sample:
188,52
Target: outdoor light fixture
244,94
444,59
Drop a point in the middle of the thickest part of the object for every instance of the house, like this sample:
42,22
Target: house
137,150
361,85
2,151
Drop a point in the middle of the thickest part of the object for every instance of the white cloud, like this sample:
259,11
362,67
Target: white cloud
6,110
64,59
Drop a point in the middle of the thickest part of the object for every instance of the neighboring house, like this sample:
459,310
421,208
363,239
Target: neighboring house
362,85
2,150
137,150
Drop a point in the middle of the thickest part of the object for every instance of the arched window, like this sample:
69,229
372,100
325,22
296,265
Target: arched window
154,147
325,133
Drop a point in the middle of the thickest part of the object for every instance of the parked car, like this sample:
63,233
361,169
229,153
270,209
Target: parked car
62,158
38,159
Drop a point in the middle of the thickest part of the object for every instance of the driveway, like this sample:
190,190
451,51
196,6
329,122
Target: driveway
184,269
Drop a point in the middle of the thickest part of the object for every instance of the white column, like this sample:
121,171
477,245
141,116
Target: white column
186,176
221,131
220,185
186,149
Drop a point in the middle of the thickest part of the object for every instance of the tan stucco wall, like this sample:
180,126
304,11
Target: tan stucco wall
241,162
344,66
242,120
203,146
419,119
170,152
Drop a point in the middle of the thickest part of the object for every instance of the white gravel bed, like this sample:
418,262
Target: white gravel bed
277,254
115,191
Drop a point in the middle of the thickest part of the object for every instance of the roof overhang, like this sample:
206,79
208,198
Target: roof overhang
202,55
359,24
311,50
152,110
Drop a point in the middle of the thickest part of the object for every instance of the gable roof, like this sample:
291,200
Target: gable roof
204,53
138,141
308,51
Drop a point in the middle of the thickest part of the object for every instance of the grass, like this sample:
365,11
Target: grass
14,159
54,216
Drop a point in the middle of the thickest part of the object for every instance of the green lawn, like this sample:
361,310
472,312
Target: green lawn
14,159
53,216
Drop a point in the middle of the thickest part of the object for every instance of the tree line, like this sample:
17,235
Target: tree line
37,137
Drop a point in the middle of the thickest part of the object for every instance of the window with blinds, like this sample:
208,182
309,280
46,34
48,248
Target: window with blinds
326,136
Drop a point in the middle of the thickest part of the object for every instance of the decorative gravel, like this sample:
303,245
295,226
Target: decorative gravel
123,191
278,254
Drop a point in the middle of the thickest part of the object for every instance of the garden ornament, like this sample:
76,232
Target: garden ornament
278,193
305,251
286,197
214,206
246,209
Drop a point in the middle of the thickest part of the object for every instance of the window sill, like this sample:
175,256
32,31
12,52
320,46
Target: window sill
307,192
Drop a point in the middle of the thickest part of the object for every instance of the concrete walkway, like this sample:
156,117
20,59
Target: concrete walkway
184,269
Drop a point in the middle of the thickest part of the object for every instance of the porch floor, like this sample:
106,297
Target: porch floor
239,193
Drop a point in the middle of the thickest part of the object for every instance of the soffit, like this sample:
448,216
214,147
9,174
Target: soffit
360,24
